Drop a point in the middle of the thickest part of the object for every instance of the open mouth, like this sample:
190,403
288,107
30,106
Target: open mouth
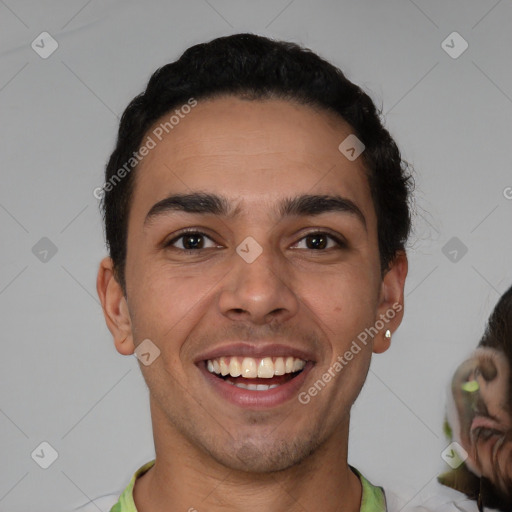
256,374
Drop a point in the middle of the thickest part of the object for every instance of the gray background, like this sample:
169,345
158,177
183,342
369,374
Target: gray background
62,380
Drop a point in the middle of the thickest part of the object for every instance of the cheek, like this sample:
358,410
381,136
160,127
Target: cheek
346,300
166,308
165,301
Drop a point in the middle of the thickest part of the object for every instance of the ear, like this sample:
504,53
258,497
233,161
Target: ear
115,307
391,303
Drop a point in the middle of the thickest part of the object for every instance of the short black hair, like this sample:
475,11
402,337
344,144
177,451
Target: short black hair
258,68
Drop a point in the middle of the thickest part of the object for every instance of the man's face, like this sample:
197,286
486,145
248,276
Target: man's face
224,305
480,388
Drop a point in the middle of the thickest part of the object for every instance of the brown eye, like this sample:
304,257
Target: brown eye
319,241
191,241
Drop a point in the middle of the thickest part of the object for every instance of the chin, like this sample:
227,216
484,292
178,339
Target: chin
264,456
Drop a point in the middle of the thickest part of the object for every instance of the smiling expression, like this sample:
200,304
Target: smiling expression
252,264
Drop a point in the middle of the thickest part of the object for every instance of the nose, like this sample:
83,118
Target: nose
260,292
488,370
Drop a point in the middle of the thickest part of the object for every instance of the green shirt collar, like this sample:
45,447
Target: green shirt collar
373,498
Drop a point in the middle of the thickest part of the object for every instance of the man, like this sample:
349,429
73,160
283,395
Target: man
256,214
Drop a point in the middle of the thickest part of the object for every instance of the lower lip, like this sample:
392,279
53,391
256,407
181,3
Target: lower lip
257,399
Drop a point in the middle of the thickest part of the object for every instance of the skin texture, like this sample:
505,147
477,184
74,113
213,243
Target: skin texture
488,406
211,454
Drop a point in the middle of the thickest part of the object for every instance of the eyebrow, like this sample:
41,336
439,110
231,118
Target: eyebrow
207,203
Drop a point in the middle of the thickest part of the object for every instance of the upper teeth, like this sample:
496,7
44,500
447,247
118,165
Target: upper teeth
251,368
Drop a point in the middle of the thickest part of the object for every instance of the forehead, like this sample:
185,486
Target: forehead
251,149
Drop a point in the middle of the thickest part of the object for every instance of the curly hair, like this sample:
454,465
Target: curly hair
258,68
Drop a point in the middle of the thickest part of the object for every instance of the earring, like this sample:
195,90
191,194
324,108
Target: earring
387,335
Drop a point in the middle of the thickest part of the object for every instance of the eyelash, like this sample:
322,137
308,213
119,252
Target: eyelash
341,244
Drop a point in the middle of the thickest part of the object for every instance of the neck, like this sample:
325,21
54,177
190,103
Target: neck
184,478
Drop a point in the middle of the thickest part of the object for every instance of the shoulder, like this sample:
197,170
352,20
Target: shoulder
103,503
434,497
373,498
124,497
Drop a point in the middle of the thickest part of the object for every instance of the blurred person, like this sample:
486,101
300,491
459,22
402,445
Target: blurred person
480,415
479,420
